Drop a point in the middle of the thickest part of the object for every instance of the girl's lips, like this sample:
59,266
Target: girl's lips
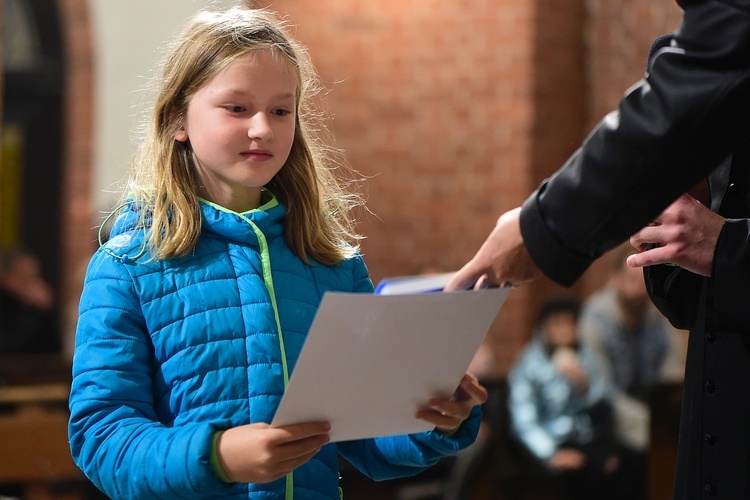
257,154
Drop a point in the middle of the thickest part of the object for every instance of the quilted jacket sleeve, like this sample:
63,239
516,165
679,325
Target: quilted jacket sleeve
115,437
399,456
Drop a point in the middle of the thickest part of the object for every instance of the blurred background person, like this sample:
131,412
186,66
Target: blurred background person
561,409
27,302
636,348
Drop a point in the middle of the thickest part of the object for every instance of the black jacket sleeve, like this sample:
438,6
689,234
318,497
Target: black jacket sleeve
670,129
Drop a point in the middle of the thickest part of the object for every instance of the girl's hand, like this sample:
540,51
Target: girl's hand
259,453
448,414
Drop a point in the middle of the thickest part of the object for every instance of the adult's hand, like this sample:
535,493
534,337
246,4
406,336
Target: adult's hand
501,260
684,234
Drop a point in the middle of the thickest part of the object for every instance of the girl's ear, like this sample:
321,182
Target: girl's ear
181,135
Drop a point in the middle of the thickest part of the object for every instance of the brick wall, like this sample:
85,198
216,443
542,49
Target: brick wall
455,110
428,108
77,215
432,102
558,106
617,38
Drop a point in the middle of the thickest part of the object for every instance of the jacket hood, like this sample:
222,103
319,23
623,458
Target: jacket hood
215,220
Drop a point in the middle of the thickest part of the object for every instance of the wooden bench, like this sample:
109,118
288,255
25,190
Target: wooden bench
34,452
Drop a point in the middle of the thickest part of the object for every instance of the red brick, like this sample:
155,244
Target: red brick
454,109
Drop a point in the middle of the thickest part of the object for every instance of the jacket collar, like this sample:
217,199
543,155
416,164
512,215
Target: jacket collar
216,221
268,218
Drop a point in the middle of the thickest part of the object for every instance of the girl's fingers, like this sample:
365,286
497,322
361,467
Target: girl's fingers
442,421
471,389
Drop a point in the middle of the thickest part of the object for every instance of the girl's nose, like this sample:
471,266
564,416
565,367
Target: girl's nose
259,127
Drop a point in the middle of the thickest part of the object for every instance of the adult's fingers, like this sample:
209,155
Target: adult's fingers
467,276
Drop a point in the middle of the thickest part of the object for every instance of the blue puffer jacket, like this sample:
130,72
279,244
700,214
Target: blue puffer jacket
169,352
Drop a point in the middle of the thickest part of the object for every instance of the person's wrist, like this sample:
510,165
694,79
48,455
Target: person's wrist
447,432
214,459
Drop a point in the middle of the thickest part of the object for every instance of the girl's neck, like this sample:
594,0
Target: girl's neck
249,200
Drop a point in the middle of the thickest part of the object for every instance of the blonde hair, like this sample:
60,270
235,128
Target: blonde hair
318,222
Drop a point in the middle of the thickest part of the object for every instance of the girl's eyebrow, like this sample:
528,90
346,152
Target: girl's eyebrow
243,93
286,95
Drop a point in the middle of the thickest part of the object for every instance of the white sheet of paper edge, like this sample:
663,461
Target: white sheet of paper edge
370,361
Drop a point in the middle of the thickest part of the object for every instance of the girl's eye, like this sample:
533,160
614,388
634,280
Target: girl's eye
236,109
281,112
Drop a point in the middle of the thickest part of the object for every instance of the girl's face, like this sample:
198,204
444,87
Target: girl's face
240,126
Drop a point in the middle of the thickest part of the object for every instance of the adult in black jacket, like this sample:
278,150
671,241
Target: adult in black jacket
690,113
706,296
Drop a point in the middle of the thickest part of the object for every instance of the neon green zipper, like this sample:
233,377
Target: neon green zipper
265,259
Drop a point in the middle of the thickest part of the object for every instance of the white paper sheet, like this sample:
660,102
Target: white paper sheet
370,361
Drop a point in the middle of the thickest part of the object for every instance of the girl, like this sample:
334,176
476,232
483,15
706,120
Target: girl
195,310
